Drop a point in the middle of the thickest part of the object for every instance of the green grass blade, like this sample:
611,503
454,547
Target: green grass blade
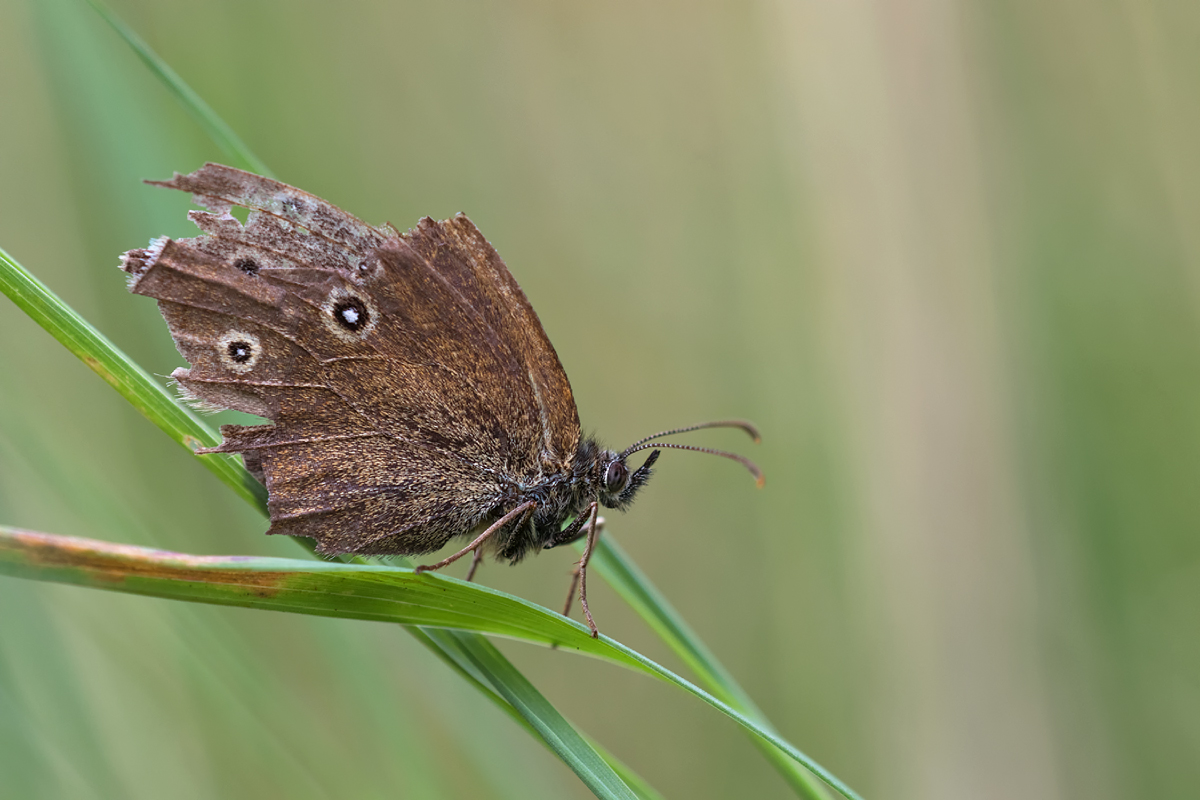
561,737
457,650
324,588
328,589
130,380
217,129
639,592
634,781
369,592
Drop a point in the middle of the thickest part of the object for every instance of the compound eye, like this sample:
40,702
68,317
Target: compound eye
616,476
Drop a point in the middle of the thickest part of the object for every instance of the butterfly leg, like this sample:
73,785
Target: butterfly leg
593,535
475,559
576,530
521,510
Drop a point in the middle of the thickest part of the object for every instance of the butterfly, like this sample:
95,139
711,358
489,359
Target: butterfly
413,394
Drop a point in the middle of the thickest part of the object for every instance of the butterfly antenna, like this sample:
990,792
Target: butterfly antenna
740,424
759,478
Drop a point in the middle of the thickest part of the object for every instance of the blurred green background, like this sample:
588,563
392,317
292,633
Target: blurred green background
946,254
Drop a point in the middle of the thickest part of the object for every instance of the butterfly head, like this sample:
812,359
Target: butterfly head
617,482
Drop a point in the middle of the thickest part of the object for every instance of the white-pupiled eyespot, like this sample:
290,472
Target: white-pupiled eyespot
239,350
349,315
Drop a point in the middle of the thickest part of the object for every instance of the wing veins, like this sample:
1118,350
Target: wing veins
543,409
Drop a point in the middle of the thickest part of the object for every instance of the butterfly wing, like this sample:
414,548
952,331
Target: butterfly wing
410,383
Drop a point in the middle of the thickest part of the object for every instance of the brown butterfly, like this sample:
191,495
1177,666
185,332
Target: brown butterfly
414,395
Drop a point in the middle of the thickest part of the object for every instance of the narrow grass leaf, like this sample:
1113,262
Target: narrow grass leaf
457,650
558,734
369,592
217,129
643,596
